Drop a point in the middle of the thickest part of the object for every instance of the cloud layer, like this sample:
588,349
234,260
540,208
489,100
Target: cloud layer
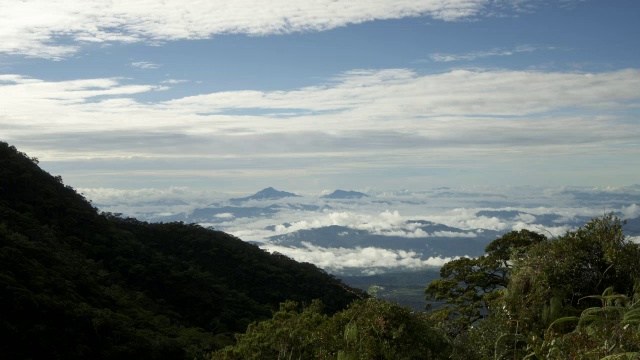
455,109
436,109
471,215
369,260
41,28
373,120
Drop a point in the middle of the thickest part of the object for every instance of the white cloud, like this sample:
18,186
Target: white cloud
39,27
384,223
225,216
145,65
336,259
402,94
16,79
130,197
453,234
438,57
373,119
433,106
526,218
174,81
466,219
630,212
549,231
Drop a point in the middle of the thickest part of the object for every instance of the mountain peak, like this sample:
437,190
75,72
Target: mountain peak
266,194
344,194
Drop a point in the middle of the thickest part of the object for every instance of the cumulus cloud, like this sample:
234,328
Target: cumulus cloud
630,212
336,259
525,218
92,21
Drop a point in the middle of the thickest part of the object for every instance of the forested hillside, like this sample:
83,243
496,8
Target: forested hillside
78,284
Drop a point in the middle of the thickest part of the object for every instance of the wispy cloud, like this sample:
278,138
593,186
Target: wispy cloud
145,65
439,57
345,123
61,28
443,111
174,81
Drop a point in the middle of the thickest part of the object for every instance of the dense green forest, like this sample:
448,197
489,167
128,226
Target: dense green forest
78,284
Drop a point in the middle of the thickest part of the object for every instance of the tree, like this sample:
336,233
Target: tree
368,329
468,285
548,281
289,334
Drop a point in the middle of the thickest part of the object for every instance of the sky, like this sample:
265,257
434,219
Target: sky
309,95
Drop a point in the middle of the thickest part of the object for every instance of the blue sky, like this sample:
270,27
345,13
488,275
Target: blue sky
313,95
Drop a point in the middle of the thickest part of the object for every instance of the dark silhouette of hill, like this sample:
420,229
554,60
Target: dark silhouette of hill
76,284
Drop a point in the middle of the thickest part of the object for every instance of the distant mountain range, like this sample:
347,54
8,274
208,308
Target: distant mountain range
272,194
342,223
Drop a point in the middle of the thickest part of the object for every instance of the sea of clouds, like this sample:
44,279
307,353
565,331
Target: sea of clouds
467,214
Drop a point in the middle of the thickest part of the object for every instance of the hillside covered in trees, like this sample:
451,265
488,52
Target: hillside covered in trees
76,284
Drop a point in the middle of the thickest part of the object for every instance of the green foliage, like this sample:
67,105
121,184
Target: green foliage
75,284
556,278
384,330
608,331
529,297
289,334
368,329
468,285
